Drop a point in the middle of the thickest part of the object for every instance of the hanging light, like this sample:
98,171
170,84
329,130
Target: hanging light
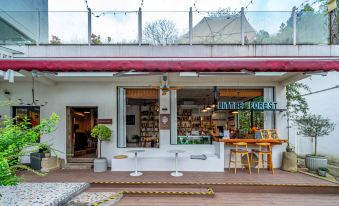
204,109
214,104
208,102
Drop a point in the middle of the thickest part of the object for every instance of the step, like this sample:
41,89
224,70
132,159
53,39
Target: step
80,160
78,166
180,191
222,187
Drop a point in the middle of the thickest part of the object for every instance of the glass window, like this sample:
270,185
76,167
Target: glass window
138,117
197,119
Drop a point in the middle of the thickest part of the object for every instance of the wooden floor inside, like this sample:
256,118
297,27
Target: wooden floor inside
242,177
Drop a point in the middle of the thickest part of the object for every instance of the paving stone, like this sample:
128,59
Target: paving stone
40,194
89,198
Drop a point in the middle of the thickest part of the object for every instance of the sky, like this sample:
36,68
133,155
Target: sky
122,27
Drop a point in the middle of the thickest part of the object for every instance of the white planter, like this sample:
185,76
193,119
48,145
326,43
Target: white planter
100,165
314,162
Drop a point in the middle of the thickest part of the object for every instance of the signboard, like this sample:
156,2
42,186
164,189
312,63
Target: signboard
165,121
104,121
247,106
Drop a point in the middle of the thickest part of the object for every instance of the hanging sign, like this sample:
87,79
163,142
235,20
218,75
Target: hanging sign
247,105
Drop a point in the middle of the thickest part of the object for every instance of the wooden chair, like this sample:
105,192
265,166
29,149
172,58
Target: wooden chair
240,149
264,149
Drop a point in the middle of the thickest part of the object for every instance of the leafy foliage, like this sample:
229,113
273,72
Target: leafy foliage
55,40
14,138
314,126
296,104
102,133
161,32
95,39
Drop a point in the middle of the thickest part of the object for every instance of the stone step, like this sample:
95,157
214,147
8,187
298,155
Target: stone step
80,160
78,166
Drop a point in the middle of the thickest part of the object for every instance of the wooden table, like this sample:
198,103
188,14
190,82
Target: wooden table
252,142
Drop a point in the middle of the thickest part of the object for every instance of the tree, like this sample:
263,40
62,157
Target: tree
14,138
102,133
262,37
161,32
314,126
296,105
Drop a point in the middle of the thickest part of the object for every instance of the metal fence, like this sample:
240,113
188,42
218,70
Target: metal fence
164,28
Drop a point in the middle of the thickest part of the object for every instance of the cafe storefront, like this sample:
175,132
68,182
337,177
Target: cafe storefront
200,106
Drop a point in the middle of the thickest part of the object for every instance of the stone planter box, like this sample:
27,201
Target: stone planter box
100,165
314,162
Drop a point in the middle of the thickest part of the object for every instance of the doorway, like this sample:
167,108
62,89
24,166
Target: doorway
80,122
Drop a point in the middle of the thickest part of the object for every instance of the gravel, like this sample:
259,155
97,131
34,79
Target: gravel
40,194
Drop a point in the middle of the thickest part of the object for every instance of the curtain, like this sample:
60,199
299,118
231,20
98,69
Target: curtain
121,117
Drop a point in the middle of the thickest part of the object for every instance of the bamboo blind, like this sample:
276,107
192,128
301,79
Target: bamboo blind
142,93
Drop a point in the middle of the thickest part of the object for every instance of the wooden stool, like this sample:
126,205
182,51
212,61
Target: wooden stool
264,149
240,149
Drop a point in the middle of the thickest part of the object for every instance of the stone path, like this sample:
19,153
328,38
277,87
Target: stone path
40,194
89,198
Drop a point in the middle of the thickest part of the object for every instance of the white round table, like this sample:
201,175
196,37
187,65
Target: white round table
136,173
176,173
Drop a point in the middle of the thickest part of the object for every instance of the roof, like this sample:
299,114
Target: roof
220,29
263,64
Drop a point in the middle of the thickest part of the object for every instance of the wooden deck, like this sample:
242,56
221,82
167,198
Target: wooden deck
282,188
242,177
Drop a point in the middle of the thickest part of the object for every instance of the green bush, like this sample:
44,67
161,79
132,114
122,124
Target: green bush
14,138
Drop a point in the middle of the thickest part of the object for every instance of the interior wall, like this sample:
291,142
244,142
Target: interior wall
132,130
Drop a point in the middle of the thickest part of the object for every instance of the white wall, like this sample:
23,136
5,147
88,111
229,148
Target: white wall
104,96
326,104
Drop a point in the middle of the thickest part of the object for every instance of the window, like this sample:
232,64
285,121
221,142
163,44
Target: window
198,120
138,117
32,113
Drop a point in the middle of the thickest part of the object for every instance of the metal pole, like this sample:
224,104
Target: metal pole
37,28
242,30
140,26
294,14
190,26
89,26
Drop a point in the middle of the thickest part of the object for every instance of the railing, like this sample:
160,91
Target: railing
164,28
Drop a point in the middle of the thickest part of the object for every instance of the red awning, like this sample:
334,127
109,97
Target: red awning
270,64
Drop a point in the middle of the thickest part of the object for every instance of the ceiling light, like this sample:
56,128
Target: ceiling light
235,112
87,112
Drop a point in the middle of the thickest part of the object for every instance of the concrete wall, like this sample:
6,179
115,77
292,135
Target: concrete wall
326,104
104,96
23,15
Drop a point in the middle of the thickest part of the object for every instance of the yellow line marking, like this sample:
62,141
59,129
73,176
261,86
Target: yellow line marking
229,183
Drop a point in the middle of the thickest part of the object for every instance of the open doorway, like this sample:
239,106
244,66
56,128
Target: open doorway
80,122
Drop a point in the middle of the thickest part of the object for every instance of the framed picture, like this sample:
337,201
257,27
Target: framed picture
264,134
130,119
273,134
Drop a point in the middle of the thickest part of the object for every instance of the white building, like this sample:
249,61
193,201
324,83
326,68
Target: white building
101,94
23,21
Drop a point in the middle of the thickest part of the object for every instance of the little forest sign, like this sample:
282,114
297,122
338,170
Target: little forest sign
247,106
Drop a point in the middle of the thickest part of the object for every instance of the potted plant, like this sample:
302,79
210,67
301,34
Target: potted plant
322,171
102,133
45,149
315,126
